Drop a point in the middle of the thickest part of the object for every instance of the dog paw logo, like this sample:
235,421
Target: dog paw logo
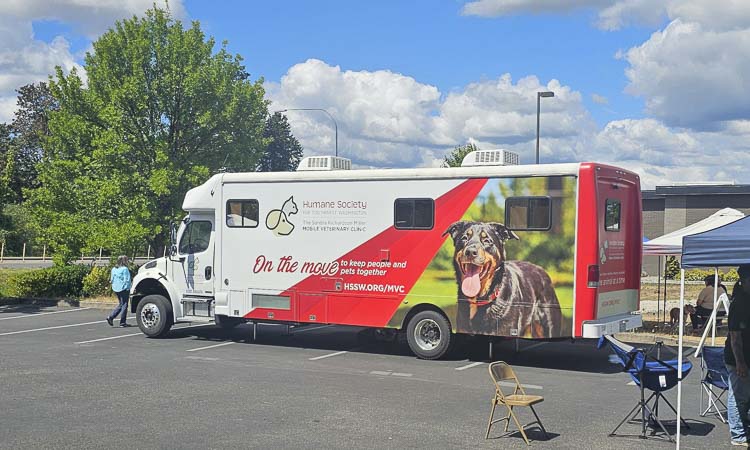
194,264
603,252
277,220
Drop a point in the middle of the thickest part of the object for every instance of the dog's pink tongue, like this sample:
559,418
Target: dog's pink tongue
471,284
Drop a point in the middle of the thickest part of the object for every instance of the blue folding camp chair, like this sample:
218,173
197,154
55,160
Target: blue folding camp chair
651,374
714,376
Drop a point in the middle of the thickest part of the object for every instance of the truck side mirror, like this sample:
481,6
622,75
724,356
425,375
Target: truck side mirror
172,239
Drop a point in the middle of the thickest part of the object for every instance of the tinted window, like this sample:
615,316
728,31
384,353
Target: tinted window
414,213
196,237
528,213
612,215
242,213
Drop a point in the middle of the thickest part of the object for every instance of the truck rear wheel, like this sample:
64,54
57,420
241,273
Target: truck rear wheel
154,315
429,335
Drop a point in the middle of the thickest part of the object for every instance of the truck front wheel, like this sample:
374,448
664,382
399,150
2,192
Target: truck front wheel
429,335
154,315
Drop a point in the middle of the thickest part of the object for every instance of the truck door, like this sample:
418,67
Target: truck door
196,255
619,245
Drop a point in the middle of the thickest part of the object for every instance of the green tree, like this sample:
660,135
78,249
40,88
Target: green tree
283,151
30,126
161,112
454,158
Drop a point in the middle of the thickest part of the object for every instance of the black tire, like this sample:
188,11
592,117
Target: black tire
226,322
154,315
429,335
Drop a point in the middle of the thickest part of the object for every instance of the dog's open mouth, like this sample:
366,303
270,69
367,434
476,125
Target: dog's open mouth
473,274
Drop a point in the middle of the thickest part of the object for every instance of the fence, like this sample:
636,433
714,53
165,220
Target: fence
29,253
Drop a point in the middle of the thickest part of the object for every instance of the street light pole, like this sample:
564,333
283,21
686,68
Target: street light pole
335,125
539,96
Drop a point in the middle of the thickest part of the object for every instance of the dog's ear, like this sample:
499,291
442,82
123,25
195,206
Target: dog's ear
455,229
503,232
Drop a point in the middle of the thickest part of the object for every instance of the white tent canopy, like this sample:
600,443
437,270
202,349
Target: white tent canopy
671,243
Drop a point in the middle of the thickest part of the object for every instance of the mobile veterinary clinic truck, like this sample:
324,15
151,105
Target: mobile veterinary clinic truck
532,251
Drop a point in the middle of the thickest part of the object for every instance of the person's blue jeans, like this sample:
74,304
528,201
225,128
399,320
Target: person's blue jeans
738,405
122,296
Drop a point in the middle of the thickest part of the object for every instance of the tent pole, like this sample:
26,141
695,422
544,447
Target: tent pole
716,305
658,290
679,354
665,290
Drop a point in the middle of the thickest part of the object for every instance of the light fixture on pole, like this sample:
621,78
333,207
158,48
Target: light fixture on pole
335,125
539,96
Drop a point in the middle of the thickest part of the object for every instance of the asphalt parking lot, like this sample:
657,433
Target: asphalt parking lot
68,380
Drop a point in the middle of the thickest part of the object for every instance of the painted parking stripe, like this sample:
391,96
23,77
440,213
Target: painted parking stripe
136,334
110,338
469,366
56,327
327,356
211,346
43,314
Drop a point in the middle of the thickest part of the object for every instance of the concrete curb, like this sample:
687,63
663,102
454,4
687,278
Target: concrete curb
60,303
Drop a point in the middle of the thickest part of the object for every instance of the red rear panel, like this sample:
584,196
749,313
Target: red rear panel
608,244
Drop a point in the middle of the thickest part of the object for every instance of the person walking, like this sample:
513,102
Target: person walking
737,357
120,279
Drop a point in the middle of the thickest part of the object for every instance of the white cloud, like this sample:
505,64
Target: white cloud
389,119
692,77
494,8
599,99
25,59
91,17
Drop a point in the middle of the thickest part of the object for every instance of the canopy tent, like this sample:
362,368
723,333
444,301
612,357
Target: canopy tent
671,243
727,245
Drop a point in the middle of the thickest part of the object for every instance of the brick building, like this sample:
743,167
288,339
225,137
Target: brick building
669,208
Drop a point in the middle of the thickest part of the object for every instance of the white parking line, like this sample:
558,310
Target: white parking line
327,356
56,327
211,346
137,334
109,338
525,386
43,314
469,366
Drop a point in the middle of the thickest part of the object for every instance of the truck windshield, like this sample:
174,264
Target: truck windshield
196,237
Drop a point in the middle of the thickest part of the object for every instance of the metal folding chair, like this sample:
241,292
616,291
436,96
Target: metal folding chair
714,376
501,372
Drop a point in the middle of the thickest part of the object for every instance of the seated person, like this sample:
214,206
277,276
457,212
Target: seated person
704,306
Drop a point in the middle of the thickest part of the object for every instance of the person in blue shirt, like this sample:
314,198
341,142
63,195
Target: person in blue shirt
120,279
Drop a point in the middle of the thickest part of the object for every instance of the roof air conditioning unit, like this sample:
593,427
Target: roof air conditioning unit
497,157
309,163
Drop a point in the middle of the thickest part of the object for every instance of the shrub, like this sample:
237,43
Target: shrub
699,274
57,281
672,268
96,282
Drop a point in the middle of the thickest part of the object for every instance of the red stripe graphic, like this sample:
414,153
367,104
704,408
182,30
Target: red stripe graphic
371,299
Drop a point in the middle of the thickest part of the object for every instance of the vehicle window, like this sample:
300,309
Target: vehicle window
196,237
612,215
242,213
414,213
528,213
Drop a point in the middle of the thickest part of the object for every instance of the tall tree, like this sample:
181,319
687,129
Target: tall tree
283,151
161,112
454,158
29,128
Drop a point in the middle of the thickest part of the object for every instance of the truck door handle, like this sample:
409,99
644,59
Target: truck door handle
208,272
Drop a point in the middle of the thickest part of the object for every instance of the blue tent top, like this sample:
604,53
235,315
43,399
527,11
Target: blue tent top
728,245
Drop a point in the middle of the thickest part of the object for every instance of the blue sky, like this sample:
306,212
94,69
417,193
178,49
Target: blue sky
654,86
